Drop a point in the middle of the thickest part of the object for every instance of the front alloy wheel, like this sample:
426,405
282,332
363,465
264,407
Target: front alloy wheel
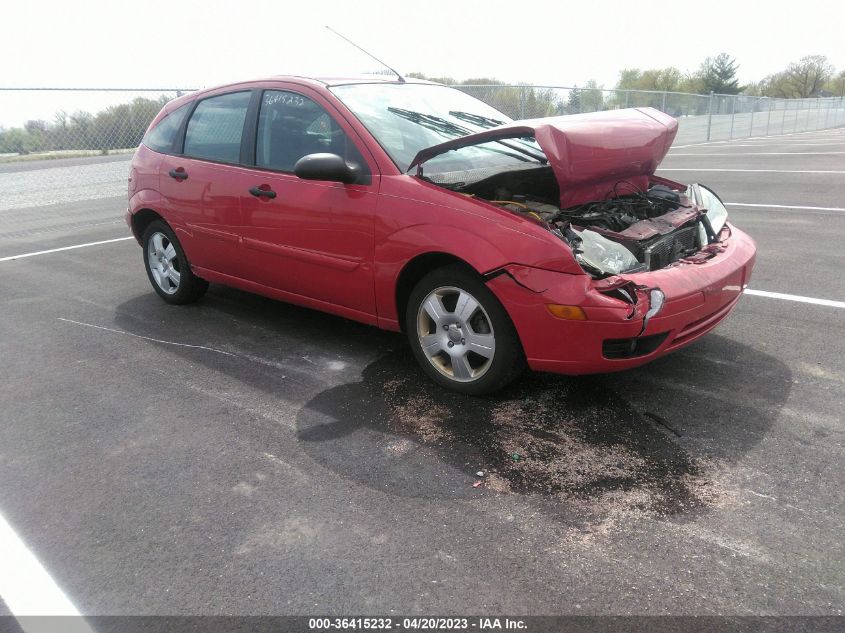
461,335
456,334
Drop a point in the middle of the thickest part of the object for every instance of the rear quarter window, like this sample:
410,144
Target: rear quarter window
162,136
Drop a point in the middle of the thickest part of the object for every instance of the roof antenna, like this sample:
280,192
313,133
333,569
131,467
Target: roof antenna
400,77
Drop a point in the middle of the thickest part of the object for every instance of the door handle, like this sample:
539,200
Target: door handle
178,174
259,192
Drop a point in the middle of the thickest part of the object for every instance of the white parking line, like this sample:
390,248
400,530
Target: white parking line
63,248
761,293
773,138
768,171
732,145
28,590
779,295
783,206
724,155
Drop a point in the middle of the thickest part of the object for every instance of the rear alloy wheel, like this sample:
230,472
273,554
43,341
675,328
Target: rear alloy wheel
168,268
461,334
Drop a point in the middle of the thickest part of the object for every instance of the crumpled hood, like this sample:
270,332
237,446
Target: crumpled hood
590,154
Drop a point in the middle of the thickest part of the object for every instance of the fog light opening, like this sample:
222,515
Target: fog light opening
656,301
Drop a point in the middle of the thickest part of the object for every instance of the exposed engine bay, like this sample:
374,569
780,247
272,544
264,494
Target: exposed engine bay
600,197
629,231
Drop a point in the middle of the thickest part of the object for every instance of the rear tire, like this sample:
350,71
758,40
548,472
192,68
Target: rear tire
460,334
167,267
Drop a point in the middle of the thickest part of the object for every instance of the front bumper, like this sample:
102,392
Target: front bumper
612,338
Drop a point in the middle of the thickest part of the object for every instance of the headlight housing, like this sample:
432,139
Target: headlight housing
605,255
717,214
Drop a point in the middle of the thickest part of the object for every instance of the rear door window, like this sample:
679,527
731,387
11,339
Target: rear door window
216,127
162,136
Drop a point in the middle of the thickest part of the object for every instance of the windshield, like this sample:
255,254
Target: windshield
405,118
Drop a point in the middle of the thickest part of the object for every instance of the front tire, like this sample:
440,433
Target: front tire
167,267
460,334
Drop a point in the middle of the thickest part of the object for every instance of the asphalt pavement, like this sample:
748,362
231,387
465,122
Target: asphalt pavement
245,456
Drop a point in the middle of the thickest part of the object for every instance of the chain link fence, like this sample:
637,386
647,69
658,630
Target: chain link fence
96,132
37,124
701,118
58,123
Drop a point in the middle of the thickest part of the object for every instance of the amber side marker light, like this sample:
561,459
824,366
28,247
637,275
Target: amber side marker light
570,313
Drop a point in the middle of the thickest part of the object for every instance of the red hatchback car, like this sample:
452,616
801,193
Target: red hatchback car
412,206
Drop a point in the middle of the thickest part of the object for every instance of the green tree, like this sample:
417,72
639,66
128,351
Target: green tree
573,101
592,97
801,79
36,133
449,81
655,79
538,102
519,101
15,141
651,83
718,74
836,85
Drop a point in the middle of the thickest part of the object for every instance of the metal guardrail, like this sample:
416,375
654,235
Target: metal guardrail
60,122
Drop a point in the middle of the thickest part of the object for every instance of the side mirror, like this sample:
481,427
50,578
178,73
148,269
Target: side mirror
326,167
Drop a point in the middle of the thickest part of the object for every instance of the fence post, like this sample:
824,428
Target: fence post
733,114
769,117
627,98
522,102
751,126
709,114
807,120
663,108
783,118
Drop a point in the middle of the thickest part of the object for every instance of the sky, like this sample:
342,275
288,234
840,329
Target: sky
190,43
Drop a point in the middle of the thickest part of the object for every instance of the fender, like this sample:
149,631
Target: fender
396,250
152,200
146,199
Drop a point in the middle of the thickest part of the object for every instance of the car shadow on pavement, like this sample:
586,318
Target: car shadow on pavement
654,439
283,349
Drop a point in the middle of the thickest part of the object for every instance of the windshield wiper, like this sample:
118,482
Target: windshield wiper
487,123
476,119
443,126
432,122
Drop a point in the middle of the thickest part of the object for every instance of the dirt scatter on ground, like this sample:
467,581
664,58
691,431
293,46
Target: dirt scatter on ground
568,440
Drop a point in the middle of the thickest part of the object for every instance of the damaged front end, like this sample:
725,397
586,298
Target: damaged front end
644,231
594,188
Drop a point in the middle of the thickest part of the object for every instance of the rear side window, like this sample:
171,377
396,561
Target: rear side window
215,128
161,137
